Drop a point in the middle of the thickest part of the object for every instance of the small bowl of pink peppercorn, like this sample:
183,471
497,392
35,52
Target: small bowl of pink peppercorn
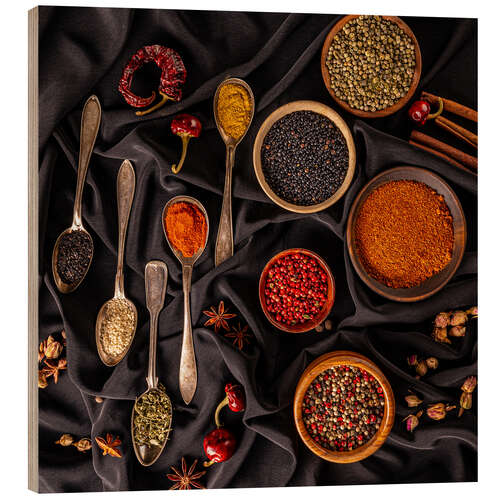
296,290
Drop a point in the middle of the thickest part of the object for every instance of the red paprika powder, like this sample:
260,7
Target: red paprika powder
186,227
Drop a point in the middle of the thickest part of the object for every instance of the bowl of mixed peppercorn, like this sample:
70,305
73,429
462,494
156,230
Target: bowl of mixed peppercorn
296,290
304,156
371,65
343,407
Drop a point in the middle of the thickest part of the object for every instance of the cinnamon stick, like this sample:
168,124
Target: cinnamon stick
452,106
438,153
457,130
460,156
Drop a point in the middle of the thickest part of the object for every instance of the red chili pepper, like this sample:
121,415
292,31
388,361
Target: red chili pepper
235,397
185,126
420,111
219,446
172,77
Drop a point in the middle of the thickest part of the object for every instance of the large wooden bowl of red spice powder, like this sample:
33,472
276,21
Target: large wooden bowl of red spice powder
406,234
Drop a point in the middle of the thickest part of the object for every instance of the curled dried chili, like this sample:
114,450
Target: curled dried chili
173,76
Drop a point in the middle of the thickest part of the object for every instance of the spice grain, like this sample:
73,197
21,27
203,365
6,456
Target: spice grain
234,109
73,256
404,233
117,326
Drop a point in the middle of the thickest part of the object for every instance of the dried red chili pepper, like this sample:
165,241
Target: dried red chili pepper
173,76
420,111
185,126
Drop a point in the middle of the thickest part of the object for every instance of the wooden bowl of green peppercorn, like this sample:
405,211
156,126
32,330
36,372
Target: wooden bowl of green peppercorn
370,83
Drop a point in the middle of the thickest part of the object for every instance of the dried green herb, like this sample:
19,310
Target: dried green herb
152,418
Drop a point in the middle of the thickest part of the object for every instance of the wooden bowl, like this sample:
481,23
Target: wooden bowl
325,311
321,364
434,283
321,109
383,112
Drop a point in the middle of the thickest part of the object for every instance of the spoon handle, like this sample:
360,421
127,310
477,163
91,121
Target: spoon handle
125,187
224,244
155,276
91,119
187,371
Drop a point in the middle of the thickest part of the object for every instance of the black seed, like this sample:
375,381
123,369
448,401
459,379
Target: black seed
73,257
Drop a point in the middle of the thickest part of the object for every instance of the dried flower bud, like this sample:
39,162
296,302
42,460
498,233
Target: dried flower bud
53,348
412,421
412,400
438,411
319,328
42,380
457,331
432,363
41,351
441,335
62,364
458,318
98,399
442,320
470,384
465,402
328,324
83,445
412,360
472,312
65,440
421,368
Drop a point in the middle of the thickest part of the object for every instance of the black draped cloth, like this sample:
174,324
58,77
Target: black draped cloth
83,52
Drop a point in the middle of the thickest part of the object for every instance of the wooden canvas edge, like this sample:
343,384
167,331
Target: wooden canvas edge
33,483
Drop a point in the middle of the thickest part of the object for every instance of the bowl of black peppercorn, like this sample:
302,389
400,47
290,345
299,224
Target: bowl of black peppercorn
304,156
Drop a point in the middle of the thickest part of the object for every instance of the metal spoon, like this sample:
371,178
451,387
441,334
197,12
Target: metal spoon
155,276
91,119
224,245
187,372
125,187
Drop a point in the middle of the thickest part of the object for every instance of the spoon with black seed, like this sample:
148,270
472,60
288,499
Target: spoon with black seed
74,248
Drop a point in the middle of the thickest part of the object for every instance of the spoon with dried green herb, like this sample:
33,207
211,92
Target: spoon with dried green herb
152,413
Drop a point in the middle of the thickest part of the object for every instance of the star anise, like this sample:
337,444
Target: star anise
239,335
186,480
110,445
218,318
53,370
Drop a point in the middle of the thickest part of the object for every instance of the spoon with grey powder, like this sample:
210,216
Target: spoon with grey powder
117,318
74,249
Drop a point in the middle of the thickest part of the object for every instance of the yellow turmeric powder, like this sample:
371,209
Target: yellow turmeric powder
234,109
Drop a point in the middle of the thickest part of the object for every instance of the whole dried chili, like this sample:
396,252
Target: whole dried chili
173,76
404,233
186,227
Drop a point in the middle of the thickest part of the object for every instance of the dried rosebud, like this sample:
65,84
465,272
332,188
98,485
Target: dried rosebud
457,331
441,335
83,445
470,384
432,363
41,351
53,348
328,324
63,335
62,364
438,411
412,421
472,312
421,368
412,400
319,328
458,318
65,440
42,380
465,402
442,320
412,360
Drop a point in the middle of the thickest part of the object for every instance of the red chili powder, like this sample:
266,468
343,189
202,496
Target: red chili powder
186,227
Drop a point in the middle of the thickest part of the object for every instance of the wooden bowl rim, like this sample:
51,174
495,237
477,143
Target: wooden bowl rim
459,243
386,111
332,115
312,323
319,365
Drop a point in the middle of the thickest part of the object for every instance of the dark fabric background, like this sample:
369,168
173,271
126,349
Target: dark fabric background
83,51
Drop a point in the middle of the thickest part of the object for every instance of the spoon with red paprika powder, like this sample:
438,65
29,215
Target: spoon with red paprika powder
185,224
